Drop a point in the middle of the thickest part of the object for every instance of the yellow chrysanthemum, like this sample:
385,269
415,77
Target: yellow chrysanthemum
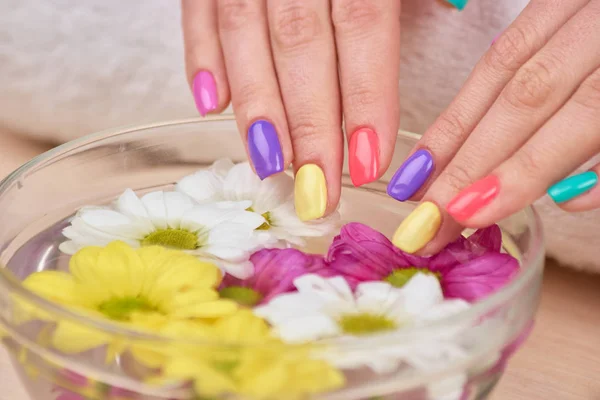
144,289
250,362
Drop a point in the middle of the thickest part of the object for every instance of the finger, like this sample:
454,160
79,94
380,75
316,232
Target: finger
255,95
203,56
579,192
367,35
565,142
304,53
486,147
538,22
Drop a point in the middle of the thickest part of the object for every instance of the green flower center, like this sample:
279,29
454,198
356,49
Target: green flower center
120,309
241,295
267,216
365,324
399,277
172,238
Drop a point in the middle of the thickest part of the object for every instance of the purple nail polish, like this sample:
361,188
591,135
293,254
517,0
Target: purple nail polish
411,175
265,149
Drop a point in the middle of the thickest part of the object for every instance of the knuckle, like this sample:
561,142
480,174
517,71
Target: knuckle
458,177
360,99
234,14
355,15
245,98
294,25
588,94
529,164
511,49
451,126
305,131
533,84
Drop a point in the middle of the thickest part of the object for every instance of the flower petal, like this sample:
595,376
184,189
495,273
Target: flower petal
176,205
489,238
206,186
363,253
53,285
274,271
157,209
131,205
74,338
420,293
480,277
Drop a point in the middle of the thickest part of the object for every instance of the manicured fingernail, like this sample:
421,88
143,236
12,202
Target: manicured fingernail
459,4
204,88
310,192
363,156
474,198
418,228
265,149
573,186
411,175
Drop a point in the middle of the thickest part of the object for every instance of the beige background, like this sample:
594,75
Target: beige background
560,361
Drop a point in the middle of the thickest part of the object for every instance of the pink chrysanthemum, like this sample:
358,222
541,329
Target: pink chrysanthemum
274,273
468,268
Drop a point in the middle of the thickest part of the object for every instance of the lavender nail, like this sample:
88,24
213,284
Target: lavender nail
411,175
265,149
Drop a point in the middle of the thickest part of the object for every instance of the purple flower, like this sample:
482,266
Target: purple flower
274,273
468,268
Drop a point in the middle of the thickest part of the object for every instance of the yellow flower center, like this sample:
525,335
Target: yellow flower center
399,277
365,324
172,238
120,309
241,295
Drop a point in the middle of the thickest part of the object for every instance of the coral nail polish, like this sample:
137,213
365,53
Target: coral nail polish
204,89
473,198
363,156
411,175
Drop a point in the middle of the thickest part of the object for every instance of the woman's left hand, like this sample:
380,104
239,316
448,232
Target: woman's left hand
528,116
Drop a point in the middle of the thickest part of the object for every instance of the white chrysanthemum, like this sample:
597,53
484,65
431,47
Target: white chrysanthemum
327,307
272,198
223,232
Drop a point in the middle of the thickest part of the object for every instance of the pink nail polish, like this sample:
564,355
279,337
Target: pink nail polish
204,88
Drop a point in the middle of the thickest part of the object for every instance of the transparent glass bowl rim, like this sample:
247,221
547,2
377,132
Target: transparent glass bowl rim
477,309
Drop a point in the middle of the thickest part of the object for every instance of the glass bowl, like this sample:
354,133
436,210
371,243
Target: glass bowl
37,200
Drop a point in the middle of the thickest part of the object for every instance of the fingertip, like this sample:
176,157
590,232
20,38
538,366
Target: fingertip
411,176
364,156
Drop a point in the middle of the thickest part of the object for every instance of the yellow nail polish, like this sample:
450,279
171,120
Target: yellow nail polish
418,228
310,192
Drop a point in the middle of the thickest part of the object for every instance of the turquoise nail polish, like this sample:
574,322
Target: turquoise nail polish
573,186
460,4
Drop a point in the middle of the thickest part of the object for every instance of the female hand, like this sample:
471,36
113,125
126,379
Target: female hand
528,116
292,69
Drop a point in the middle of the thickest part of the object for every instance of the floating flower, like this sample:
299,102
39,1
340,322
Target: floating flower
272,198
274,273
327,308
220,232
243,358
144,289
468,268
